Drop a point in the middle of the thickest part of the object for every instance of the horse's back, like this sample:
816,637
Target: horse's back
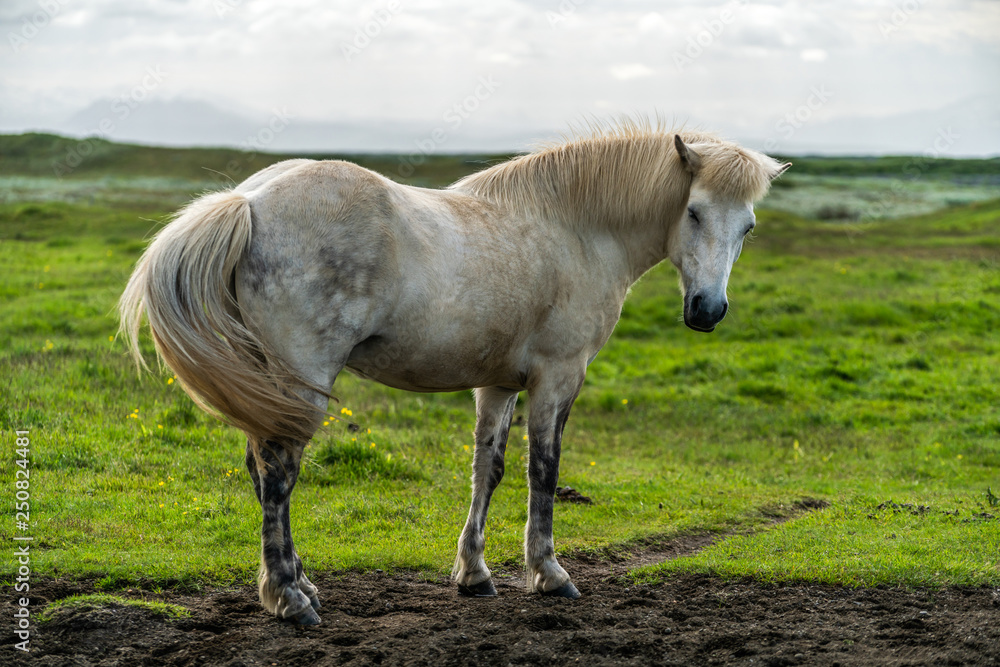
268,173
301,191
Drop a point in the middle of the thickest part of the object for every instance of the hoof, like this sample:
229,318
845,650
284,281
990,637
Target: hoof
484,589
307,617
567,590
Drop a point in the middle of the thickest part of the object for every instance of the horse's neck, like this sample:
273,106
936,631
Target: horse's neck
635,197
640,228
644,248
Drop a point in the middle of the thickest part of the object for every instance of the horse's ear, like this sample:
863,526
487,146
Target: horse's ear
782,169
690,159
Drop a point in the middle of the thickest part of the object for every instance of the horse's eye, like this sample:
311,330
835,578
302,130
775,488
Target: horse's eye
694,215
749,229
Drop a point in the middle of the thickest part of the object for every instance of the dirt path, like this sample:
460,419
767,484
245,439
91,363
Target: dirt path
402,619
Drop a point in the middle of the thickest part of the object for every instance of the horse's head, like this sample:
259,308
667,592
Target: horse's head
709,236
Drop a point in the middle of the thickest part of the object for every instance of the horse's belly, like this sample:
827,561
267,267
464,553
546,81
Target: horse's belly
413,364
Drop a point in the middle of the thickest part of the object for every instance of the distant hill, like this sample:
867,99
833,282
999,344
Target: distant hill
50,155
38,154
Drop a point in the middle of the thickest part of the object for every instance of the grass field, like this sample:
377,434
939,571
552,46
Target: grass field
859,365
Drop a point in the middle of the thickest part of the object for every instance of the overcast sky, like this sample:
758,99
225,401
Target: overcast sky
772,72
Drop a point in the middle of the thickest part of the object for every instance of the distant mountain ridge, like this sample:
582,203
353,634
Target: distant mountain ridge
184,122
968,128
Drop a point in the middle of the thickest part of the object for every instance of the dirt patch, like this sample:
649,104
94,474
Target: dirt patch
402,619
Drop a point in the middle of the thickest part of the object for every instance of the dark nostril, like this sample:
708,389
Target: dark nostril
725,309
695,304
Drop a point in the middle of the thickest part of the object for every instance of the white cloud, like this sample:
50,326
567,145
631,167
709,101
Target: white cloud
757,62
631,71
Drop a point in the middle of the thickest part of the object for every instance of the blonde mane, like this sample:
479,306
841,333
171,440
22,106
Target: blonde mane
620,175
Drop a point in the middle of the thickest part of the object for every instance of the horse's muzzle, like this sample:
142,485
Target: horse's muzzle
703,314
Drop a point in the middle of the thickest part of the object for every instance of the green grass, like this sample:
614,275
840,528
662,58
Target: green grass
858,365
103,600
969,169
958,543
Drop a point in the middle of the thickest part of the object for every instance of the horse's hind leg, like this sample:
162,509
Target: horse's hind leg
494,409
284,589
274,468
277,587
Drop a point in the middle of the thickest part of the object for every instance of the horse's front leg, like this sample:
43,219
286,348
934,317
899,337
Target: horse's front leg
494,409
550,405
284,589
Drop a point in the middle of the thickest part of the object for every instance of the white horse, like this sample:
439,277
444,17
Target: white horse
511,279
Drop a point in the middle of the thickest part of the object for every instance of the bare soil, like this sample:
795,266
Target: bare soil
403,619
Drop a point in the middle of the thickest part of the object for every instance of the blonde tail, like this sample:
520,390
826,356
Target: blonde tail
183,285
